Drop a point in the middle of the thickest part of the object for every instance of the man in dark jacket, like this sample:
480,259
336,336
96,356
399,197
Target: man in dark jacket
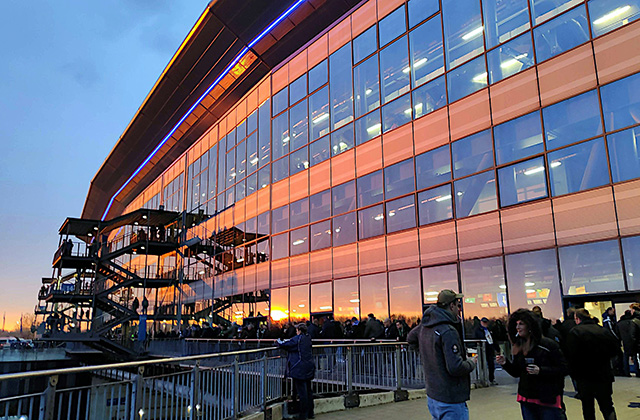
300,368
548,330
446,368
314,329
331,329
627,329
589,351
482,332
373,328
390,330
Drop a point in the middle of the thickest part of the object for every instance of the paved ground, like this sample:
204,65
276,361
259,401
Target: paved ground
497,402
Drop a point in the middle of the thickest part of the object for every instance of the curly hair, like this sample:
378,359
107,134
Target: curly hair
530,320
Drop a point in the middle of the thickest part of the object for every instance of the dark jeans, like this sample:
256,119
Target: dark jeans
601,392
537,412
303,388
491,361
625,363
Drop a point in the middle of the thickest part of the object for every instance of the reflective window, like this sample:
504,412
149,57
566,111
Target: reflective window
404,302
264,177
280,101
368,127
518,138
620,103
231,139
533,280
318,76
572,120
252,153
631,251
298,89
504,19
318,113
365,44
427,58
472,154
467,79
433,167
280,219
320,206
344,229
542,10
591,268
280,170
435,279
624,154
392,26
299,213
299,303
281,137
299,240
401,214
279,246
231,168
252,122
399,179
396,113
367,86
435,205
279,307
342,140
340,84
578,167
264,223
524,181
299,161
510,58
321,297
429,97
370,189
321,235
419,10
299,130
371,222
373,295
241,160
264,134
394,69
561,34
240,190
463,30
476,194
252,183
484,289
346,300
607,15
319,150
344,197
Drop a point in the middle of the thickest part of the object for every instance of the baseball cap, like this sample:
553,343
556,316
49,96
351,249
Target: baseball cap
484,319
447,296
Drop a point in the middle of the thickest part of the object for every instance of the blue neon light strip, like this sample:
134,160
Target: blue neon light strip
206,92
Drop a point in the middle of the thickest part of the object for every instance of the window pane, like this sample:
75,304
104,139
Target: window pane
484,289
620,103
542,10
365,44
373,295
578,167
241,160
346,301
299,212
510,58
427,58
280,101
591,268
252,122
279,308
299,303
367,86
344,197
467,79
572,120
231,168
371,222
504,19
435,279
299,161
607,15
264,133
519,138
252,183
280,219
392,26
280,170
298,89
631,251
396,113
462,30
344,229
319,113
433,167
299,239
299,131
320,206
280,135
319,150
321,297
342,140
561,34
429,97
398,179
419,10
264,224
321,235
368,127
370,189
252,153
240,190
524,181
318,76
263,177
340,84
435,205
279,246
476,194
472,154
401,214
394,66
404,302
624,154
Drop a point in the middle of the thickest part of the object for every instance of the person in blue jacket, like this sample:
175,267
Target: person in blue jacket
300,368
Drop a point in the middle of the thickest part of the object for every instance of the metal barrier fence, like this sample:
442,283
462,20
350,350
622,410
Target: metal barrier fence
211,386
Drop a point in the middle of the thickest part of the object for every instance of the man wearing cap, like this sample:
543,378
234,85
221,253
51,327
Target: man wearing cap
483,333
444,359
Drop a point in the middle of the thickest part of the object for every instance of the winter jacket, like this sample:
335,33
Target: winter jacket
314,331
549,383
589,351
443,355
627,329
373,329
299,357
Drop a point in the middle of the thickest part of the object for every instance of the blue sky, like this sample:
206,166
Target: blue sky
73,74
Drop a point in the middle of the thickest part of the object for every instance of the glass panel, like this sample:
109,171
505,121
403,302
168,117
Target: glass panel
435,205
607,15
344,197
342,140
298,89
404,302
368,127
578,167
631,251
519,138
427,58
280,219
392,26
319,113
504,19
510,58
398,179
231,168
252,183
280,135
624,154
279,246
561,34
299,296
371,222
279,305
240,190
299,126
542,10
533,280
419,10
373,295
318,76
299,212
344,229
264,224
436,279
524,181
433,167
472,154
394,68
591,268
264,176
370,189
340,84
467,79
462,29
620,103
476,194
367,86
264,133
299,240
346,299
321,297
252,152
321,235
231,139
365,44
280,101
320,206
319,150
484,290
572,120
299,161
401,214
280,170
252,122
429,97
397,113
241,160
